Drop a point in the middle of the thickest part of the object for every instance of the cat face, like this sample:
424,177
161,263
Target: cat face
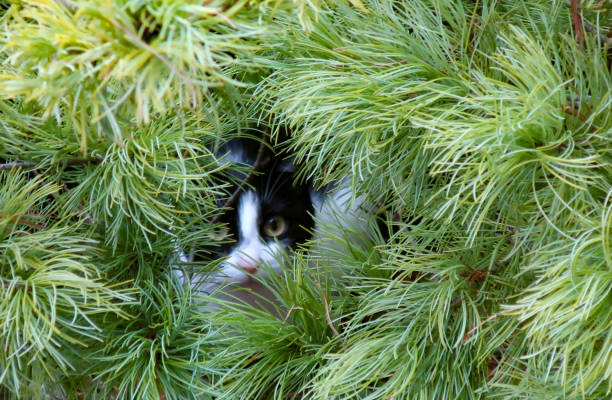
271,215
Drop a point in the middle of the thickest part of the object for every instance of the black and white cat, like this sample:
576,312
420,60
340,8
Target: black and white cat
271,213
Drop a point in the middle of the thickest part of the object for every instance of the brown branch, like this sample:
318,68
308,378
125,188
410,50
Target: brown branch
224,18
577,22
19,220
474,274
572,111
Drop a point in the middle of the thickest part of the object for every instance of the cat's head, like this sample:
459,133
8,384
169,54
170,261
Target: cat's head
269,215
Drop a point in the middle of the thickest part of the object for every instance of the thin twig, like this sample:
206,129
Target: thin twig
330,323
29,164
18,286
224,18
19,220
291,309
469,333
17,164
589,28
328,316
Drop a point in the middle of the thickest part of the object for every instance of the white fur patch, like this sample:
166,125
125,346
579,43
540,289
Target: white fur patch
250,252
248,215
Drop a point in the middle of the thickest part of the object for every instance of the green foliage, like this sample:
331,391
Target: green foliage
87,61
478,135
297,327
52,296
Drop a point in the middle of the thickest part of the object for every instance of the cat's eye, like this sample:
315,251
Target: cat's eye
275,226
219,233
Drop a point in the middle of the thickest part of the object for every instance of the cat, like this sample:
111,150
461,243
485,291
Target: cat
271,213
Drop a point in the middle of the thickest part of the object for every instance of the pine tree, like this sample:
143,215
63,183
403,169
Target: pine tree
478,132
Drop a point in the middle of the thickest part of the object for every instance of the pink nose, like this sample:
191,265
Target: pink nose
248,267
250,270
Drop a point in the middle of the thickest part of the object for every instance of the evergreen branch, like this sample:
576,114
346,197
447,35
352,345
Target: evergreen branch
157,54
475,128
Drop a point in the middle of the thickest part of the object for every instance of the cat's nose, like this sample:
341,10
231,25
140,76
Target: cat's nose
249,269
247,266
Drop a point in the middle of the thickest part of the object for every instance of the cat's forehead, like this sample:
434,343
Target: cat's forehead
242,151
269,174
272,181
